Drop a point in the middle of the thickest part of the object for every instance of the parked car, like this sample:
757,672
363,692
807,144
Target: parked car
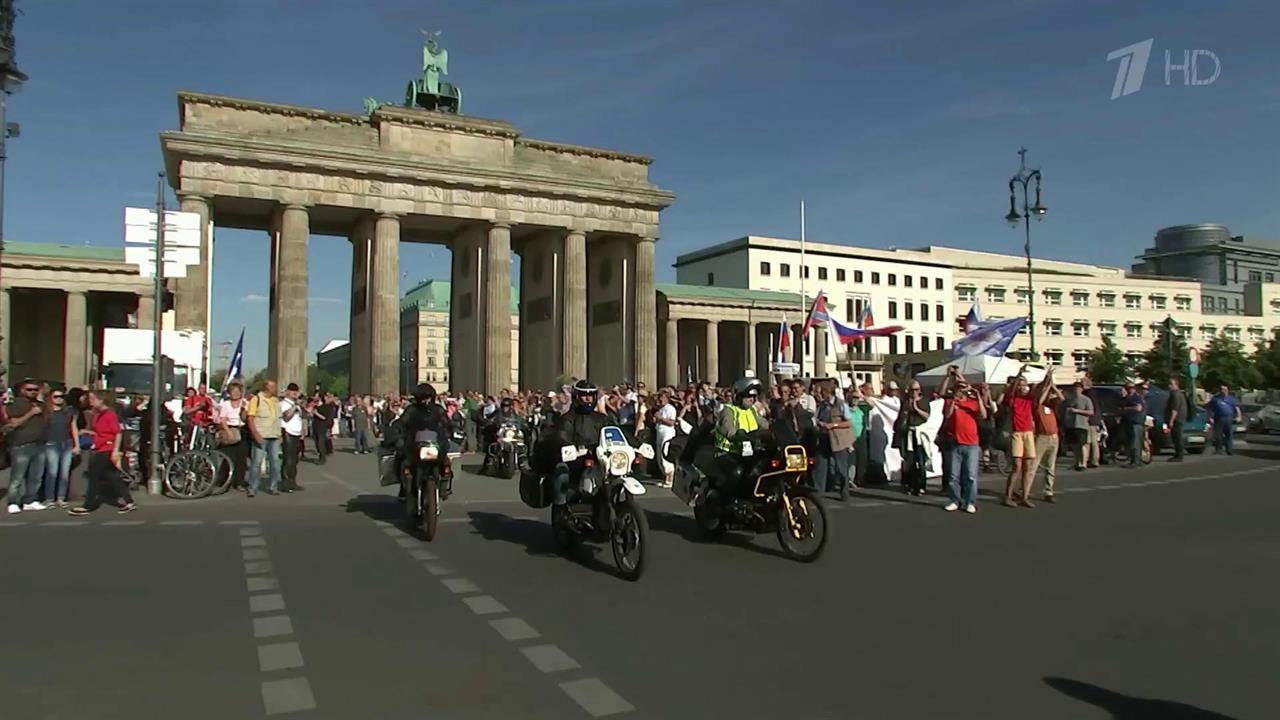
1248,411
1265,420
1196,435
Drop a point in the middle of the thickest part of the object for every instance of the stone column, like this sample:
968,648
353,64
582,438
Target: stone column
289,321
384,299
819,352
646,338
497,309
752,360
75,358
713,352
191,293
575,304
6,328
146,313
673,352
359,336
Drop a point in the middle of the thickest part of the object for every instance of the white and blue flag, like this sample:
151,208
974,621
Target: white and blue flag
989,338
236,369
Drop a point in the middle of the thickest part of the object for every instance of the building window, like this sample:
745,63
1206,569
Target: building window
1222,304
939,342
924,343
1133,358
784,270
839,275
1255,276
1079,298
1271,277
1158,302
924,282
765,269
805,272
1080,359
1023,330
1108,329
893,344
1053,357
1053,327
924,311
893,309
1184,331
1021,295
966,294
857,276
938,313
1133,302
893,279
1080,328
1275,306
1208,331
995,295
1133,330
1182,303
906,280
875,278
911,343
1232,333
1106,299
1052,297
711,278
1255,334
822,273
937,283
909,311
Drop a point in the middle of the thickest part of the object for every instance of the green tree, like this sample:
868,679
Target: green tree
1266,359
1224,363
1167,357
1107,365
215,380
337,384
254,383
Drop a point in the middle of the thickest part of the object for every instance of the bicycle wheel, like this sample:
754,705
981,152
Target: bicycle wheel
222,476
188,476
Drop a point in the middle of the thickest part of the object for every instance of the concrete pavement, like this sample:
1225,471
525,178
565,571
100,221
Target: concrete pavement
1142,593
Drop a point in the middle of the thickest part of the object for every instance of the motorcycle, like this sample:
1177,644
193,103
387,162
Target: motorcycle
427,474
601,500
507,452
772,496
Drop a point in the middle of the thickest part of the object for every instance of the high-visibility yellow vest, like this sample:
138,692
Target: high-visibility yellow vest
745,419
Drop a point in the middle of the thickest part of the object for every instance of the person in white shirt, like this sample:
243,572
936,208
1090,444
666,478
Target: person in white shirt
291,434
664,420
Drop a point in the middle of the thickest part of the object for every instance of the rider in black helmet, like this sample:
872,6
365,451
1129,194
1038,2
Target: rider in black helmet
504,415
423,414
580,426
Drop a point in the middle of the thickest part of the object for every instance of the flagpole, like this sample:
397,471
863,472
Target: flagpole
803,299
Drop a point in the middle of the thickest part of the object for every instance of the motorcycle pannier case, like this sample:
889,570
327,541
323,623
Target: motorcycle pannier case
535,489
387,467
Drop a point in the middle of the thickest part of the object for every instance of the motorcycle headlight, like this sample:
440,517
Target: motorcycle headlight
619,464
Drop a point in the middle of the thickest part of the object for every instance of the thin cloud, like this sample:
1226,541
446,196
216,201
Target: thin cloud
254,298
324,300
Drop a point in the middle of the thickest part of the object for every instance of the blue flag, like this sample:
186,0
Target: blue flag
236,369
989,338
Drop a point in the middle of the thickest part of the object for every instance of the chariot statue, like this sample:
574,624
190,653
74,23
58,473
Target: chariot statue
429,92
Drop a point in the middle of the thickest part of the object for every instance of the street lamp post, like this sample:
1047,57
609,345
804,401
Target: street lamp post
1023,177
11,78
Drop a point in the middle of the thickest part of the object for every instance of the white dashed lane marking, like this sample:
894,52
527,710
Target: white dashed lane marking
279,695
598,699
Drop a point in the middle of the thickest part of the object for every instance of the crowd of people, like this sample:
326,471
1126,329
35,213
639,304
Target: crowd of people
855,435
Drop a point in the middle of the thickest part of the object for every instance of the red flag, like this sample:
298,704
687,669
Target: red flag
817,313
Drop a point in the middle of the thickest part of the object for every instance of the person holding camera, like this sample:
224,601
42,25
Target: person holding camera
964,410
915,452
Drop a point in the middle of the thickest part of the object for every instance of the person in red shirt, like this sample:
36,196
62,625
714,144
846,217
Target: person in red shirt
103,467
964,408
1022,403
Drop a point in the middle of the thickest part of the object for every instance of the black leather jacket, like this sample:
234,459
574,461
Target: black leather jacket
581,427
431,416
507,417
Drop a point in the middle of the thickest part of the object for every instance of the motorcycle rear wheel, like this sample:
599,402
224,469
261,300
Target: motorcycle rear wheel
807,537
627,539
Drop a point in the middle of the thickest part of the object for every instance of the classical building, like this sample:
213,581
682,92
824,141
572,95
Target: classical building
584,221
904,288
424,337
56,299
334,358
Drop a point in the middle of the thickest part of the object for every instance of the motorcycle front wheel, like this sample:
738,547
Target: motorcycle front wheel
430,508
802,526
507,467
627,538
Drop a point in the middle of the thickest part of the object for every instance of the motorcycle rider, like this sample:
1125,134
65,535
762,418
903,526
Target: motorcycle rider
504,415
579,426
424,414
734,426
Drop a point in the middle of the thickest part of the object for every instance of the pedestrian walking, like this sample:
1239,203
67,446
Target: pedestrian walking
60,445
1079,422
1175,414
264,429
233,440
323,416
967,407
1046,440
103,470
1224,412
25,431
291,429
362,424
1133,411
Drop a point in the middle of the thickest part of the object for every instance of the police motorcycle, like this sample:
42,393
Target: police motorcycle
601,503
508,452
427,476
760,487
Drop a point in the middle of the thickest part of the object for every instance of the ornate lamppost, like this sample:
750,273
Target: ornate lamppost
1024,177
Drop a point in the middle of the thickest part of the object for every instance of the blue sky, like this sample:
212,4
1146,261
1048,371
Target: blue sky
898,123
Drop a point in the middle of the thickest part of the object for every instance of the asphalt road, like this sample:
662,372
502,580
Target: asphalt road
1144,593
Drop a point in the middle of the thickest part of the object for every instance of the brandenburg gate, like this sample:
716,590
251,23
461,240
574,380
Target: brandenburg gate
583,220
